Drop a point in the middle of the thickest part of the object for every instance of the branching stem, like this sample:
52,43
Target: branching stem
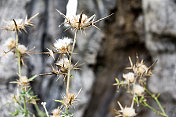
158,103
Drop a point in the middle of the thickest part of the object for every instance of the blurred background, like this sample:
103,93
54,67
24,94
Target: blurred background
145,27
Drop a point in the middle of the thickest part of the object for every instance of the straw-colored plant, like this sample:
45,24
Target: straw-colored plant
135,84
61,52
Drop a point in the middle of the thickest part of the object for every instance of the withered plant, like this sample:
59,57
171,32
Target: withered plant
135,84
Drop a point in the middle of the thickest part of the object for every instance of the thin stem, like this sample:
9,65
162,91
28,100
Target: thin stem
18,56
157,101
18,102
44,106
132,104
70,57
17,51
147,105
159,104
67,110
25,107
40,113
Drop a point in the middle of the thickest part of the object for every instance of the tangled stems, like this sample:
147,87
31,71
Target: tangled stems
70,57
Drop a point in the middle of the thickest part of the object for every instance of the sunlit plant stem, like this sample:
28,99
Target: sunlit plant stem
70,57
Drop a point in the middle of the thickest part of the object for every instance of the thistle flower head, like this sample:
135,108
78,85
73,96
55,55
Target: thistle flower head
129,77
138,90
10,43
11,25
63,45
56,112
140,68
80,21
69,99
22,49
23,82
126,112
63,64
19,24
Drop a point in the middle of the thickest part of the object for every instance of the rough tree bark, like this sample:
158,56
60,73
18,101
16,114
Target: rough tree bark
145,27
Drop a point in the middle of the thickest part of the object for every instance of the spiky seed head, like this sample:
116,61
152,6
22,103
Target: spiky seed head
56,112
69,99
141,68
20,25
10,43
24,81
63,45
22,49
138,90
126,112
129,77
63,64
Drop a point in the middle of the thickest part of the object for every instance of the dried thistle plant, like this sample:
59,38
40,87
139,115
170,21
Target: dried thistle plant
125,112
24,94
135,83
21,24
63,45
61,52
81,21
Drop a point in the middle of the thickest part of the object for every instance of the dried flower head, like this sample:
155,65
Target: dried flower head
23,81
138,90
69,99
21,24
22,49
140,68
10,43
63,45
81,21
126,112
129,77
63,64
56,112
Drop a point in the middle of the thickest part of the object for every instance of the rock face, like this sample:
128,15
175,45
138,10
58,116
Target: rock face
145,27
160,40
